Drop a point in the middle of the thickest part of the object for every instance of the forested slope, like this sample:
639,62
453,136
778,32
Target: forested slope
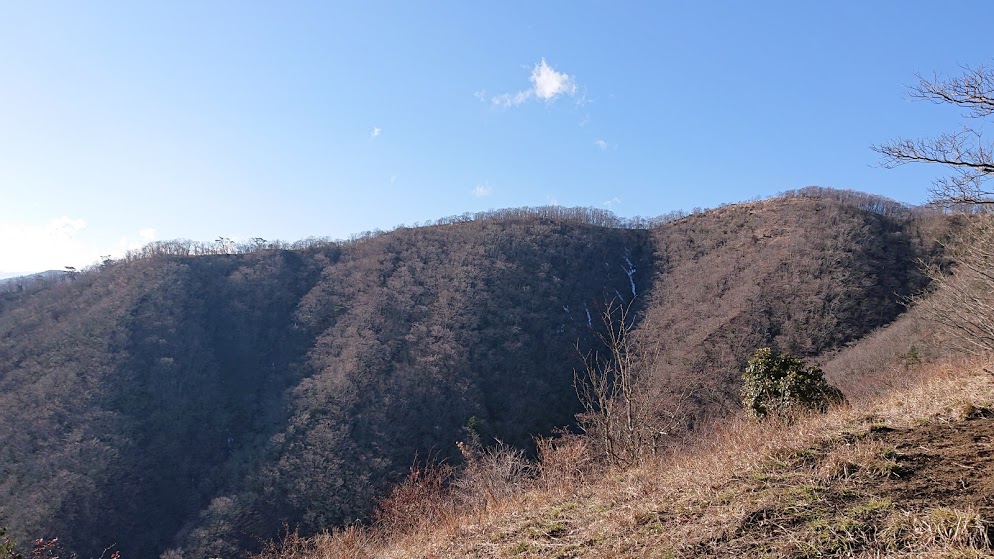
802,273
216,397
198,402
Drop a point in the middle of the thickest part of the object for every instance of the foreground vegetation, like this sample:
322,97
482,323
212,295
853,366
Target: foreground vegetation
903,470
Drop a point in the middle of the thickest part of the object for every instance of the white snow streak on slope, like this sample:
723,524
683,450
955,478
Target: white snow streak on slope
630,271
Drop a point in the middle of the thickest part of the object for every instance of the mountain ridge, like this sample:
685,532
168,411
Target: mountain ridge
226,394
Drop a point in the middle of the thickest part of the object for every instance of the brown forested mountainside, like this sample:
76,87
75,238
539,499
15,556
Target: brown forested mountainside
416,333
202,401
803,273
198,402
129,392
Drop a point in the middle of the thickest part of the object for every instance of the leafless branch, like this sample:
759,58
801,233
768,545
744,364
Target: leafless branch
616,391
974,91
969,158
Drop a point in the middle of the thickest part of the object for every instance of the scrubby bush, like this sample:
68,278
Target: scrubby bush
780,385
421,497
490,474
563,461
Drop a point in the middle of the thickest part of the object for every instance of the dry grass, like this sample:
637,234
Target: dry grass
563,463
940,529
867,458
746,488
352,542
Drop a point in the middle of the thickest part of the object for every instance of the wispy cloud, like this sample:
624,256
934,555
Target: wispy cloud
610,204
547,84
482,190
601,144
375,132
508,100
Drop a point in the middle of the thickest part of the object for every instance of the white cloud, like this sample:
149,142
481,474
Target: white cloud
601,144
129,242
547,85
482,190
375,132
610,204
27,248
32,247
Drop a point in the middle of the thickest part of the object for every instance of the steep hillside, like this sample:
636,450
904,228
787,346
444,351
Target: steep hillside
417,333
196,403
215,397
132,396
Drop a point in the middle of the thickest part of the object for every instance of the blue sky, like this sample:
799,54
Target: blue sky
122,123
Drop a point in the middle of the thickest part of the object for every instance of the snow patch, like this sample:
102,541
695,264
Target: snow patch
630,272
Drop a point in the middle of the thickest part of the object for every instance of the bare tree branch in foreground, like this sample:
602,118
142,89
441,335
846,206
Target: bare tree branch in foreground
965,152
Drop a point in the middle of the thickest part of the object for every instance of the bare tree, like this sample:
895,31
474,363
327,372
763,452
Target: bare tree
962,302
964,152
616,391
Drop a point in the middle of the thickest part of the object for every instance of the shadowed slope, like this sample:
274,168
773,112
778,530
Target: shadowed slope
219,396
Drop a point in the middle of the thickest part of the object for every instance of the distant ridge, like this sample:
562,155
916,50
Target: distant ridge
11,283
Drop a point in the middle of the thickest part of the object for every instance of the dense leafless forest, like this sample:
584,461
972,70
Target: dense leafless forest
199,396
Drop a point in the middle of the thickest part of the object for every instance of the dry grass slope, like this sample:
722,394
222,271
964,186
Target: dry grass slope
905,472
